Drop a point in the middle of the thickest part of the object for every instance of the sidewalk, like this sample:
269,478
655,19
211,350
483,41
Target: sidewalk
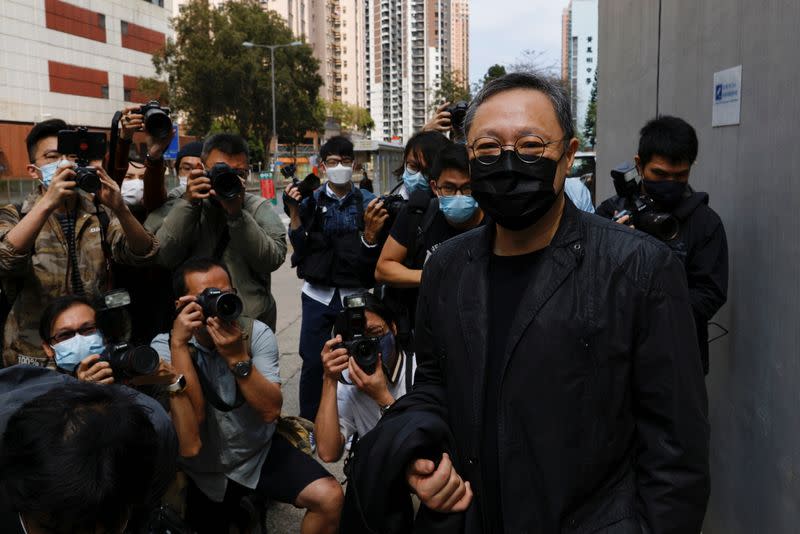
284,518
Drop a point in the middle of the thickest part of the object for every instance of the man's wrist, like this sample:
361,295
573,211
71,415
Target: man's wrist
368,240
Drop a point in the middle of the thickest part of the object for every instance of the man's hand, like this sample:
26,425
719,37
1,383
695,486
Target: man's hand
60,189
130,123
334,360
109,193
439,488
165,376
156,147
233,206
188,321
228,339
625,219
293,192
373,385
90,370
198,186
441,121
374,219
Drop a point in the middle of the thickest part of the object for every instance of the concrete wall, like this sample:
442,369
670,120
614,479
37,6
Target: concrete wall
749,170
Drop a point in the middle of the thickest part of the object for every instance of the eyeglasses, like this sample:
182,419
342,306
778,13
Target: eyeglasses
69,334
529,149
333,162
449,190
51,156
377,331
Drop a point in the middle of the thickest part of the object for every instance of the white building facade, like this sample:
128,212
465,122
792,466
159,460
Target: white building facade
581,55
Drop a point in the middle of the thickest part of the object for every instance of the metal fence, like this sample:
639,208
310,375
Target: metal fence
14,191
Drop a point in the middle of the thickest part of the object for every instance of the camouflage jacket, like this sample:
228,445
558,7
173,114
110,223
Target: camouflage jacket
32,279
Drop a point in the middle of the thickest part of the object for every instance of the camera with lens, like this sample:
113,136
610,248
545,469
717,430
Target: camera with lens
223,304
306,186
458,112
129,361
361,347
156,119
393,204
225,180
86,146
641,208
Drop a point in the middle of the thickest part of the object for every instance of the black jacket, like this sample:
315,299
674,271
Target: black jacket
603,421
703,247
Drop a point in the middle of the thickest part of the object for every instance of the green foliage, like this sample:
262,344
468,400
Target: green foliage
453,88
350,117
590,124
495,71
220,85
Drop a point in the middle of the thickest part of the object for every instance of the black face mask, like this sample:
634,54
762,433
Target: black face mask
515,194
667,195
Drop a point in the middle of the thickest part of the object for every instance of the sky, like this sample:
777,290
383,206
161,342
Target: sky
501,29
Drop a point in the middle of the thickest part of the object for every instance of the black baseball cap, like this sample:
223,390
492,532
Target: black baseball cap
193,149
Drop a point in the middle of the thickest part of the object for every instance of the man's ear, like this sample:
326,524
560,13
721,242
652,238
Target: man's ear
393,328
638,163
32,171
48,350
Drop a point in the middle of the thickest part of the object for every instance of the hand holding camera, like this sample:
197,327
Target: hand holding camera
109,193
228,339
373,384
189,320
131,122
335,358
91,369
374,218
61,188
441,121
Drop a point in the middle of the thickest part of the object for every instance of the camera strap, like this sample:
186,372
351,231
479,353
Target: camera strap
104,221
112,148
208,389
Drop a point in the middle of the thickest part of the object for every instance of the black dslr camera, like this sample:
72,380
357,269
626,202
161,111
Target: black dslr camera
458,112
128,361
223,304
640,207
225,180
86,146
156,119
364,349
392,204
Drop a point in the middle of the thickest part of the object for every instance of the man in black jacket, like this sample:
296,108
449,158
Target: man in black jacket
562,346
667,150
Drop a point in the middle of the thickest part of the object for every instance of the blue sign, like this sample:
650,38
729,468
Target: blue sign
172,150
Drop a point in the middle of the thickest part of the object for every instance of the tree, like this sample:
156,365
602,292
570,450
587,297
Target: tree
535,62
494,72
220,85
453,88
590,124
350,117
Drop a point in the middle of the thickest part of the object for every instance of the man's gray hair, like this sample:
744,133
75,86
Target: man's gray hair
524,80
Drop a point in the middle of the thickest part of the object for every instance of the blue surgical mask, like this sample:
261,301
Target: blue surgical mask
70,352
48,172
458,209
415,181
387,347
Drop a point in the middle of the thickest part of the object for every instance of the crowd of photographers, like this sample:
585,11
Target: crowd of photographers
110,279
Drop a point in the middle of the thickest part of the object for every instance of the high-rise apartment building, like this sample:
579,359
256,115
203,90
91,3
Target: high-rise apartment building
77,60
579,54
408,45
459,39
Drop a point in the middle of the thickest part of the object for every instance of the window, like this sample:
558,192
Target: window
104,91
123,27
101,20
128,95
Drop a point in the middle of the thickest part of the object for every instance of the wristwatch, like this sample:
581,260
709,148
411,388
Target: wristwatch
179,386
386,407
242,369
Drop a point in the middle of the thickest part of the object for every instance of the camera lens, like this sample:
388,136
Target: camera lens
157,123
229,306
141,361
87,179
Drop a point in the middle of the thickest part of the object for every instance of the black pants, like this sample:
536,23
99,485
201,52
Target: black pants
286,472
315,330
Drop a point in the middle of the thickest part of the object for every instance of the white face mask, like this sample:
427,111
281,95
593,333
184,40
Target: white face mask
340,174
132,192
183,180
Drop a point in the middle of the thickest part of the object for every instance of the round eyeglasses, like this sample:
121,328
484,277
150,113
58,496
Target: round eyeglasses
528,148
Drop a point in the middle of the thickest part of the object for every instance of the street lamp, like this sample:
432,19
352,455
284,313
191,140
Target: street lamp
248,44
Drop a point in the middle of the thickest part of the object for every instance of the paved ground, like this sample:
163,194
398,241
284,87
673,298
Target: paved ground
284,519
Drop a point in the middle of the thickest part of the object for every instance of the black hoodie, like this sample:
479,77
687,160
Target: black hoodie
703,248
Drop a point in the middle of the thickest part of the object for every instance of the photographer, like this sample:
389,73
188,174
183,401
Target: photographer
60,241
187,160
232,381
79,458
667,150
452,212
334,232
354,409
72,338
153,190
218,219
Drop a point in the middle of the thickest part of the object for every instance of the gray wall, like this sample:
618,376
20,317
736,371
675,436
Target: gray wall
750,171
